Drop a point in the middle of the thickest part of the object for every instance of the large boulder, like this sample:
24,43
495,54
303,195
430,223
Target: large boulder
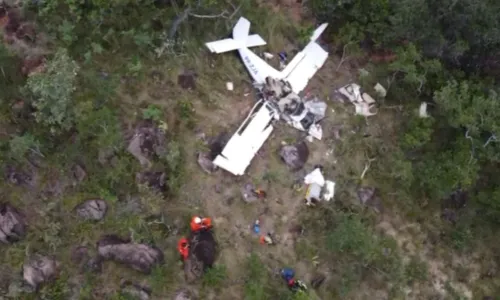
135,290
94,209
139,257
202,254
148,141
12,224
295,156
40,269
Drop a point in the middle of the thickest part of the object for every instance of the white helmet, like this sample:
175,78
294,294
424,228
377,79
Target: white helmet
197,220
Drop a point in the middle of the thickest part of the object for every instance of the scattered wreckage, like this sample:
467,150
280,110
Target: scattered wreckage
280,95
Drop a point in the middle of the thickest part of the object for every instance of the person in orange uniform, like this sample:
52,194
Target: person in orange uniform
183,248
198,223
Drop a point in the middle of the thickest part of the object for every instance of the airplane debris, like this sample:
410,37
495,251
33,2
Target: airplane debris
317,185
380,89
296,112
362,101
229,86
268,55
422,111
291,80
329,190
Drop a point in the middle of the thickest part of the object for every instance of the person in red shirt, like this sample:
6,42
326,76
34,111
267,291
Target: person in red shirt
198,223
183,248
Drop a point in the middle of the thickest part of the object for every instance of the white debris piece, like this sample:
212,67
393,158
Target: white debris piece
268,55
316,107
316,131
381,91
315,177
362,101
329,190
229,86
422,111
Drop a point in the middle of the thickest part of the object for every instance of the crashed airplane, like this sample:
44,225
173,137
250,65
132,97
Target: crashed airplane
257,127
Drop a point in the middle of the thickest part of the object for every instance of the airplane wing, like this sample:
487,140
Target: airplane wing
244,144
304,65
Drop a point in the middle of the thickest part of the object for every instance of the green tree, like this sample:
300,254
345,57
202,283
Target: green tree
19,145
52,91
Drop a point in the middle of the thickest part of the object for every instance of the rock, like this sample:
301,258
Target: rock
40,269
206,164
148,141
369,197
139,257
295,156
155,180
134,147
187,80
12,224
136,291
92,209
183,294
18,177
79,173
247,192
202,255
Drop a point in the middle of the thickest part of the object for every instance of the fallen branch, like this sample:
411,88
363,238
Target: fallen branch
492,138
367,166
343,58
467,136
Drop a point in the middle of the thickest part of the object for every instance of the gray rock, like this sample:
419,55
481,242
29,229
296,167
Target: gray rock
295,156
40,269
94,209
136,291
183,294
247,192
206,164
139,257
368,196
79,173
12,224
148,141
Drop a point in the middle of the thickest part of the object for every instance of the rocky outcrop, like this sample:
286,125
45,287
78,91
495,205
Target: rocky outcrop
40,269
139,257
202,255
12,224
92,209
295,156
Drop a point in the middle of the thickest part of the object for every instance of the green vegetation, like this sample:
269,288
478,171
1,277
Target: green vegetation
79,79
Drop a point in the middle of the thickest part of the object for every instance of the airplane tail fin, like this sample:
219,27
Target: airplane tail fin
241,39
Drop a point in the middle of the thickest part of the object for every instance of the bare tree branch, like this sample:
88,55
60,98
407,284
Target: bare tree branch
223,14
492,138
467,136
367,166
343,58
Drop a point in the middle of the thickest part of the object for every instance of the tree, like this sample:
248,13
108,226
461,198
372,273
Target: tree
20,144
52,90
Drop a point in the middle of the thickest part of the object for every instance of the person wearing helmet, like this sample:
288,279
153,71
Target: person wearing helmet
198,223
183,248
